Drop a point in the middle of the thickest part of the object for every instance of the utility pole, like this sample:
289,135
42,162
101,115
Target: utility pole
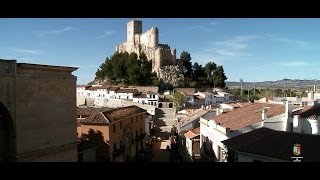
241,81
248,92
254,87
284,89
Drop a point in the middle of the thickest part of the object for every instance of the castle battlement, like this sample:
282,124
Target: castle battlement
147,42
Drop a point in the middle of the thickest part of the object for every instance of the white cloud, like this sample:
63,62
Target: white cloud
234,47
57,31
293,64
290,42
204,27
226,52
214,23
106,34
29,51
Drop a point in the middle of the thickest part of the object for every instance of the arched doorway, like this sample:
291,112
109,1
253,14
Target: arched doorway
6,126
160,105
170,105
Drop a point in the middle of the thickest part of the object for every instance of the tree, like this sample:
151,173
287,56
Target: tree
219,77
209,68
198,71
127,68
179,100
186,63
173,129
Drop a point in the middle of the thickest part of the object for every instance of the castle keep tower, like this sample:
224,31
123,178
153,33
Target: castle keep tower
133,28
147,42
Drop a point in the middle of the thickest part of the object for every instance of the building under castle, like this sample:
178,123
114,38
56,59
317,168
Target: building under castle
148,42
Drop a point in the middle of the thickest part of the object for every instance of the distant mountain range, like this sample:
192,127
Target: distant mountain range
284,83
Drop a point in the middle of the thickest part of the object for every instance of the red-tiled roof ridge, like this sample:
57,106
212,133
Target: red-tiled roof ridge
309,112
152,93
91,110
113,88
97,119
196,130
120,113
127,90
247,115
190,134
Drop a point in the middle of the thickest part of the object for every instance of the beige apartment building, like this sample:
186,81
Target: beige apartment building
37,112
116,134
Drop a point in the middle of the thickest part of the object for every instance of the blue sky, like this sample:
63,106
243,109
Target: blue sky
254,49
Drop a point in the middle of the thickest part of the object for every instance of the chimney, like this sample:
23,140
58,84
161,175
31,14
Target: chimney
210,107
314,88
264,114
217,111
296,124
288,108
202,107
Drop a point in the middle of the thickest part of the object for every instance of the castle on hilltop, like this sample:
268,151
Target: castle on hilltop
148,42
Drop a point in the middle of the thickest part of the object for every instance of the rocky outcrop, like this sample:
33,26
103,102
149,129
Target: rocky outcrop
170,75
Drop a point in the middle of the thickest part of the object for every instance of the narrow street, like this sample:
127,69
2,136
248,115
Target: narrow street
160,152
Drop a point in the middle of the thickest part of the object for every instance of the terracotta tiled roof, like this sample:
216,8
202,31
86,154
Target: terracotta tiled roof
192,133
142,95
93,88
190,108
152,93
98,119
112,115
190,118
120,113
247,115
309,112
196,130
127,90
113,88
187,93
276,144
238,105
90,110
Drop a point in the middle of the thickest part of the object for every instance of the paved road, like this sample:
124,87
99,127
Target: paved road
160,153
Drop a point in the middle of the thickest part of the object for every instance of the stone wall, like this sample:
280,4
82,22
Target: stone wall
150,38
145,89
171,75
113,103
